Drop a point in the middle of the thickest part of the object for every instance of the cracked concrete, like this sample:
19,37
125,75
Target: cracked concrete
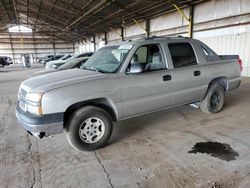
33,163
148,151
33,172
104,169
33,180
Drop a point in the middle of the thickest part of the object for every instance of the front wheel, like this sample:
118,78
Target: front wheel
89,128
214,99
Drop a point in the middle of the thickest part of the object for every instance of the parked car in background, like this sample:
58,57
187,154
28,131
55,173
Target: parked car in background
41,60
62,60
57,63
122,81
3,61
8,60
56,57
71,64
88,54
44,58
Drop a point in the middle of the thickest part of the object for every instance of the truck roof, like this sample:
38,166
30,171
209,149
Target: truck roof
153,38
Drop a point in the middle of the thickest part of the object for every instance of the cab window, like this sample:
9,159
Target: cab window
147,58
182,55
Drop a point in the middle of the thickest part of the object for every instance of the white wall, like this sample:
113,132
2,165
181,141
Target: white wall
226,29
16,44
134,31
228,44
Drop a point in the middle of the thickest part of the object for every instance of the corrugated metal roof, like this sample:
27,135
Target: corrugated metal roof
76,19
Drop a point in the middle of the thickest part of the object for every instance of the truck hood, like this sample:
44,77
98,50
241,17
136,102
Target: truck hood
44,72
46,82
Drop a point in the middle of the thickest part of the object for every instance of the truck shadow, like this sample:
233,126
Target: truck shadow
238,97
158,120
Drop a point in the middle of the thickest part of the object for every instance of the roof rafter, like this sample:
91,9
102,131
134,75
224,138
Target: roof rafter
75,20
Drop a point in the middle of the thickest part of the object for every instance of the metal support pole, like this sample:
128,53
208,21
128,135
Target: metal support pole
148,27
141,26
116,32
189,20
191,23
105,38
34,44
94,43
53,43
122,33
12,51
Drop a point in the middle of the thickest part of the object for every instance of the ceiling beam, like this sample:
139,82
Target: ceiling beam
46,26
15,12
49,4
28,7
3,2
92,10
51,8
38,13
128,17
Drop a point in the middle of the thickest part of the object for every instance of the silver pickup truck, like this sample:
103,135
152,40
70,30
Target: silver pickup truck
123,81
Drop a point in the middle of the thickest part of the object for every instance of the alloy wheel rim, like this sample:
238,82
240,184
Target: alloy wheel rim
92,130
215,101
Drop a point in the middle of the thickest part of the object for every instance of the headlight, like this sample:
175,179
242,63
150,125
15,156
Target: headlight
33,103
34,109
34,97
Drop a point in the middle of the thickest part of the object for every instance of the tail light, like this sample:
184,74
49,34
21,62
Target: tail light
240,63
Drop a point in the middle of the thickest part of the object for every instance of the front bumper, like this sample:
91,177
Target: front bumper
46,125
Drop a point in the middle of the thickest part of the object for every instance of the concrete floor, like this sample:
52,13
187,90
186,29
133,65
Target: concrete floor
148,151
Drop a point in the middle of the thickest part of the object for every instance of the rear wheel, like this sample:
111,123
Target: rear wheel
89,128
214,99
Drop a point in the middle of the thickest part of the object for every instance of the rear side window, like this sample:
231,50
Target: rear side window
182,55
210,55
207,51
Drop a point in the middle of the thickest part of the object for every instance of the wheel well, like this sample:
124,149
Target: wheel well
221,80
100,102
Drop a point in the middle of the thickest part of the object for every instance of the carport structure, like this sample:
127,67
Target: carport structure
155,150
74,20
79,26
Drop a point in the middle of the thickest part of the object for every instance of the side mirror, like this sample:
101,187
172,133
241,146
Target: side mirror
136,68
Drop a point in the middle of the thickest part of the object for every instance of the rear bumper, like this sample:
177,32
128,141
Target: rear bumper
233,84
45,125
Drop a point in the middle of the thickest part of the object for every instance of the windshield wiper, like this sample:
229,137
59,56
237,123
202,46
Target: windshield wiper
86,68
93,69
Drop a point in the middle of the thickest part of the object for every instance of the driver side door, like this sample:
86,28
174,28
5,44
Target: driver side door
147,84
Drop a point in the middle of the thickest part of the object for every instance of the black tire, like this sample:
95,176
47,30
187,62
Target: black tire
214,99
76,123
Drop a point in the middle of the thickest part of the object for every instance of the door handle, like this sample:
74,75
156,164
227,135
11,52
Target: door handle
167,78
197,73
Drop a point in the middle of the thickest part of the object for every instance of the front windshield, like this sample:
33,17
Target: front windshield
107,59
66,57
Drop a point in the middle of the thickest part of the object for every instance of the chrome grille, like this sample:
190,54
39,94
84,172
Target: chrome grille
21,99
22,93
